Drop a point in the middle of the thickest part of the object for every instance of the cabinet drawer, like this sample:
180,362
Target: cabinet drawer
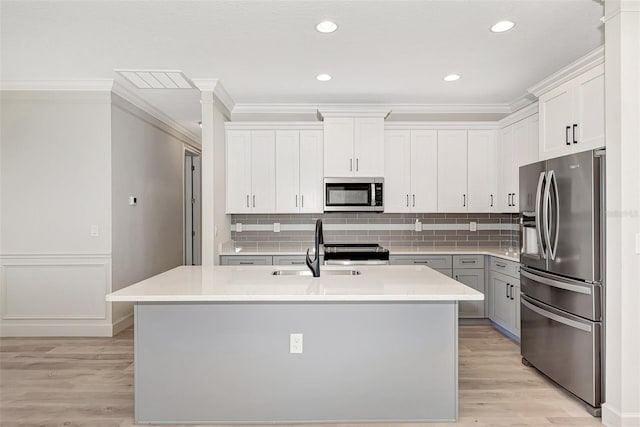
291,260
245,260
468,261
433,261
503,266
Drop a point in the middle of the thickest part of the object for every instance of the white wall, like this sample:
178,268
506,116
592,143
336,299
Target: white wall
622,80
55,184
148,163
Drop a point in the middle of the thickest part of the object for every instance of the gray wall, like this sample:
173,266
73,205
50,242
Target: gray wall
446,236
147,162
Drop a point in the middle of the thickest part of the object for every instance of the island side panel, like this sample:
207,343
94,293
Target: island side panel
230,362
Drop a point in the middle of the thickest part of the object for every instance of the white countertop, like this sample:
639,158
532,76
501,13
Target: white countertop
230,249
257,283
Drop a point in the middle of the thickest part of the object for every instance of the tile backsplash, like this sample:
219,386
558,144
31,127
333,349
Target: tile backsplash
442,229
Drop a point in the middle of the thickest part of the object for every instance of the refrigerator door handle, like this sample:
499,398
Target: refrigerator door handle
556,284
555,317
553,249
545,216
541,244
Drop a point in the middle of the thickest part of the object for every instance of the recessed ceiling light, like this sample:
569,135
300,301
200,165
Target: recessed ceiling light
326,27
323,77
502,26
451,78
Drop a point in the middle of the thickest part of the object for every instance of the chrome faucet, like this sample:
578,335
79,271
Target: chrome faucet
314,265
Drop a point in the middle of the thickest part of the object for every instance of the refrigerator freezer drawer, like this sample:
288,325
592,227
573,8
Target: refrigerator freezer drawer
579,298
565,348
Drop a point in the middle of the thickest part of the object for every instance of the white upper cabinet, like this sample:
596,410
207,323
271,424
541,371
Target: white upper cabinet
411,171
397,171
452,171
572,116
250,171
287,171
299,171
353,147
481,167
238,149
311,180
424,171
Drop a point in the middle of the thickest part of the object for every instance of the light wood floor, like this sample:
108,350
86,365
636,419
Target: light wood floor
89,382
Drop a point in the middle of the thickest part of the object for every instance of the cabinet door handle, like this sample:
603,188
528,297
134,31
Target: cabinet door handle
575,127
247,200
296,200
472,261
407,200
297,262
421,262
302,197
254,200
500,265
512,291
357,164
456,277
246,263
507,290
464,200
414,200
566,135
491,200
350,165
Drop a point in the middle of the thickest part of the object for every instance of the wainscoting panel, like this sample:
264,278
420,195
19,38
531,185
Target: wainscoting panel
55,295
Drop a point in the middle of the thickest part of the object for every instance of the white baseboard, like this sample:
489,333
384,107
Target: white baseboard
123,324
55,330
611,417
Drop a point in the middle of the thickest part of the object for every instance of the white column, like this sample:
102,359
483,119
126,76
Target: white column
622,80
208,244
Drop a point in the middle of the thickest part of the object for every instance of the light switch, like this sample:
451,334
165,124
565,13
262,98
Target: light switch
95,231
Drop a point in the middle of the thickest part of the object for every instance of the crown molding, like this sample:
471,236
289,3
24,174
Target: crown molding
327,109
521,114
273,125
522,102
57,85
215,86
447,125
348,111
129,96
579,66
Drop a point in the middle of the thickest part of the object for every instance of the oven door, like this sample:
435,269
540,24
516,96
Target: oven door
350,195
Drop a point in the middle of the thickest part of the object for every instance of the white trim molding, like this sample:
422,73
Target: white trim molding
57,85
354,111
55,295
131,97
273,125
612,417
215,86
521,114
448,125
577,67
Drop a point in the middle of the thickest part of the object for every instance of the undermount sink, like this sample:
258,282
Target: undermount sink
323,273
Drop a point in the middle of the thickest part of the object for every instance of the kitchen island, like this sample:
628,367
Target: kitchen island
215,345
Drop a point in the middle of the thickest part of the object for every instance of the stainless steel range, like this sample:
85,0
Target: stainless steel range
355,254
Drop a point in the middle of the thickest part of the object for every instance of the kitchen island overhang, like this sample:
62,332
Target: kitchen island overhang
212,345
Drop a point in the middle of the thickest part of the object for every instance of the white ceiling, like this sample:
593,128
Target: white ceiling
391,52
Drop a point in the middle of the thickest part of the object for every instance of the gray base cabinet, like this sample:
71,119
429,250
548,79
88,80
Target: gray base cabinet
504,305
474,278
246,260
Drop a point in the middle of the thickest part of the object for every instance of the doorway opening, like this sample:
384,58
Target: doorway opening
192,208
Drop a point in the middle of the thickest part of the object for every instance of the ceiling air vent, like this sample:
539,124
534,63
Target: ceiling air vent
157,79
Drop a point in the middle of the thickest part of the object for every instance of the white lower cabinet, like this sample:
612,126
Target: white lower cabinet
504,291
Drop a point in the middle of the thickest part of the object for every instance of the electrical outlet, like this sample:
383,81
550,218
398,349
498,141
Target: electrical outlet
417,226
133,200
238,227
473,226
95,231
276,227
295,343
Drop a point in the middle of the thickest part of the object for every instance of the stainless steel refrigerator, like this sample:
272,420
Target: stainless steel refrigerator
562,274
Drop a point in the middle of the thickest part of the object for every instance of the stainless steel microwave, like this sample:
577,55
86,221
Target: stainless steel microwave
353,194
